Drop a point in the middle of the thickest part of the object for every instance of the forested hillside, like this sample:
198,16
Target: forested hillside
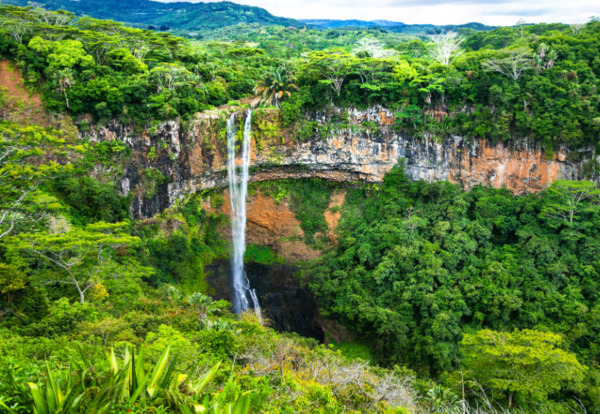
537,82
432,299
165,16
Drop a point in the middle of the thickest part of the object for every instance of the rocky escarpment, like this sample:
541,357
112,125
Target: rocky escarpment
362,147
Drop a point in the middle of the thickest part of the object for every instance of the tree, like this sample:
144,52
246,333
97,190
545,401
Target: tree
412,114
53,18
67,54
373,48
64,79
12,279
576,28
445,47
16,28
169,76
544,58
524,363
404,71
203,303
520,24
28,156
428,84
330,68
276,85
565,200
81,257
369,69
512,65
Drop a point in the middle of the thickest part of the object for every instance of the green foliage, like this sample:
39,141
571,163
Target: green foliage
425,274
28,156
82,257
87,377
129,384
154,179
568,203
306,131
261,254
420,265
62,318
292,110
275,87
179,259
353,350
109,70
203,303
91,200
525,364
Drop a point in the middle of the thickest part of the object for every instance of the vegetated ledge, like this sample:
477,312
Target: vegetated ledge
194,158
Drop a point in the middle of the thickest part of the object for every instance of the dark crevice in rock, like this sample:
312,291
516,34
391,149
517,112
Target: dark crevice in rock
289,306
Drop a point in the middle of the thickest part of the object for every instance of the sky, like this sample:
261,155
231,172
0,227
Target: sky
439,12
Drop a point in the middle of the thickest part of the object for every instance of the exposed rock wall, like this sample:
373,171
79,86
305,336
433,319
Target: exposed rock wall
364,149
270,224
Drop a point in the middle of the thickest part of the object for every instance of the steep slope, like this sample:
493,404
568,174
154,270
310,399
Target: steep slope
193,159
17,103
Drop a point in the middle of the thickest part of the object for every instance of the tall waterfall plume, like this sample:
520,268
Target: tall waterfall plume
238,187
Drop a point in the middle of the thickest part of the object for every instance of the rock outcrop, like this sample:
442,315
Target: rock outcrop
363,147
270,224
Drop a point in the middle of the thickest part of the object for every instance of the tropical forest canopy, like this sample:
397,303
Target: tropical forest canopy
455,299
538,82
164,16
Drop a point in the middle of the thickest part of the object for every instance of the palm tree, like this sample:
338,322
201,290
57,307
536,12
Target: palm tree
203,302
274,87
63,81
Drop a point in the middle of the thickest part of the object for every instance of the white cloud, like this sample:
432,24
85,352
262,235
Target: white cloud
491,12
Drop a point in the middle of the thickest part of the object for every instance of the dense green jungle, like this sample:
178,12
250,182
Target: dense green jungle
453,301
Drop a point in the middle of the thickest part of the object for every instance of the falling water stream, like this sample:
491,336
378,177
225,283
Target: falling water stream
244,296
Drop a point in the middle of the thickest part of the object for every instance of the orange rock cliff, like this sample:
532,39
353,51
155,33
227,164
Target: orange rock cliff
194,158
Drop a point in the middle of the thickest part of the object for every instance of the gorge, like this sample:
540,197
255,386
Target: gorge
194,158
421,230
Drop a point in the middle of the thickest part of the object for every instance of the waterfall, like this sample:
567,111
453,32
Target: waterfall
238,187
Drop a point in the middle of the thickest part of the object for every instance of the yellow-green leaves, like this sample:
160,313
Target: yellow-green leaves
29,155
82,257
528,363
404,72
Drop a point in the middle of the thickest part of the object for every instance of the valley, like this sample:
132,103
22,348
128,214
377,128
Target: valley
274,217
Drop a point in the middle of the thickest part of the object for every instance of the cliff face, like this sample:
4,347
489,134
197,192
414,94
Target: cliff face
270,224
362,148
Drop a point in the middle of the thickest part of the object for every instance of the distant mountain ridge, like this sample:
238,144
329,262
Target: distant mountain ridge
180,15
333,24
209,16
393,26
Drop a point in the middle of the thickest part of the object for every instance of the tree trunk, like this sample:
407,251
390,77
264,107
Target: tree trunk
81,292
571,215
